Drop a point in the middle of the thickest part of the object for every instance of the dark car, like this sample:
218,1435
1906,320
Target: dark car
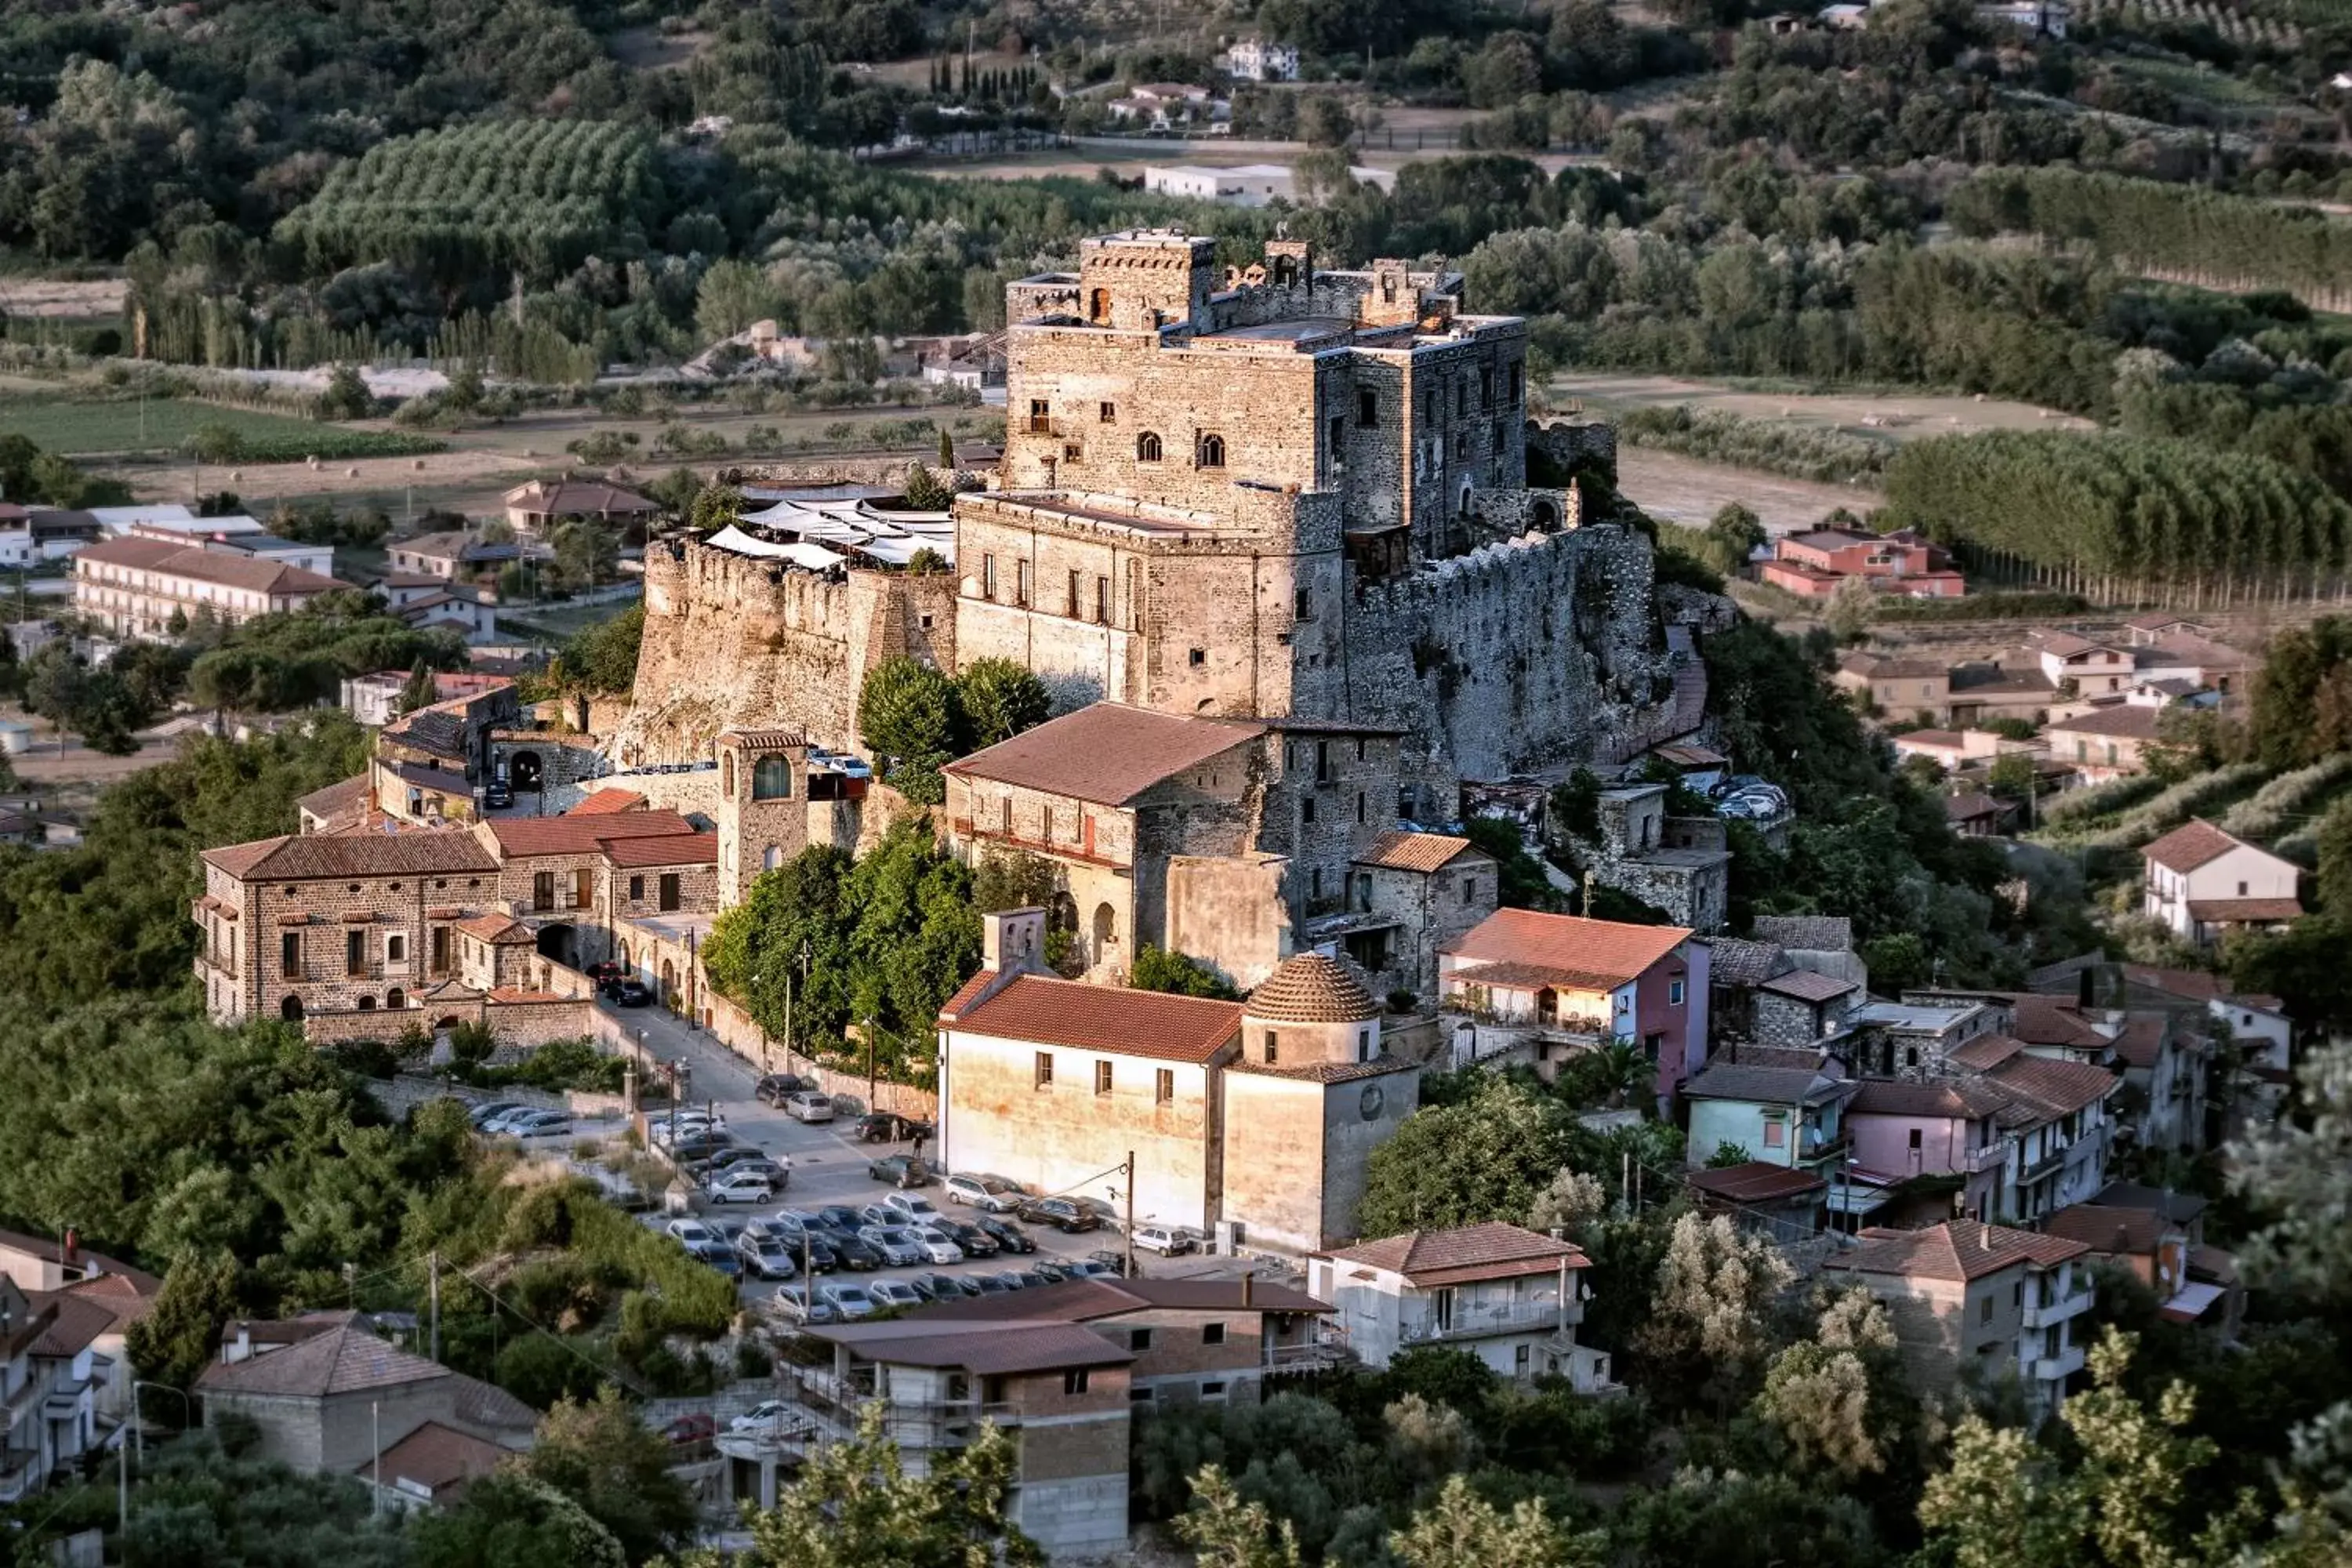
600,972
1064,1214
1114,1261
887,1127
632,993
727,1159
497,795
841,1217
689,1430
975,1242
778,1086
1054,1269
851,1253
701,1146
900,1171
1009,1237
814,1251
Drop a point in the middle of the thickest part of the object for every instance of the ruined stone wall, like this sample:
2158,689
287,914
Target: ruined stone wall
733,640
1567,444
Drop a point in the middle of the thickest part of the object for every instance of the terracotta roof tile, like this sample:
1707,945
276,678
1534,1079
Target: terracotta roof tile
2111,1230
228,569
1107,752
439,1458
74,1325
1953,1251
329,854
577,835
1942,1097
1423,852
753,736
1805,985
1493,1250
664,849
1734,961
2059,1089
1987,1051
1758,1181
498,929
2124,721
2229,911
1310,988
2192,844
1034,1007
607,800
1587,953
2140,1042
337,801
2041,1020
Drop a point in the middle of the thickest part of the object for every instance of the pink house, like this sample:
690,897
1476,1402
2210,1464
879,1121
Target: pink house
1944,1127
1589,981
1811,565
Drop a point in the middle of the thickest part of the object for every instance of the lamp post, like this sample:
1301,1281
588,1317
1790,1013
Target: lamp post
137,1429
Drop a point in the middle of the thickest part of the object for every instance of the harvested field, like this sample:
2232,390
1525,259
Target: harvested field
70,300
1689,490
1898,415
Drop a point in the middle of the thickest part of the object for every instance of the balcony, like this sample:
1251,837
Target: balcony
1985,1157
825,1408
1482,1323
2053,1369
2058,1310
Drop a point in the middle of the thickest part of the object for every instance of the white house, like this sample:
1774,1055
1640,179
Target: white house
17,548
1251,185
2200,881
49,1376
1256,59
1509,1296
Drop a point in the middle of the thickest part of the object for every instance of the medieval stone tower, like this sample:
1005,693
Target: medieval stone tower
764,810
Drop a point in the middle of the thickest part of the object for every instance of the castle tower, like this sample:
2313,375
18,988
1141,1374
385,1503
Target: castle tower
762,814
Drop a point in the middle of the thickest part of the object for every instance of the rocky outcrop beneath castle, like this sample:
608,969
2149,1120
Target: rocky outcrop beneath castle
731,639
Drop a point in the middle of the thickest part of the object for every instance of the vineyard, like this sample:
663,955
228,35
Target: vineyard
535,196
2185,232
2241,26
2124,516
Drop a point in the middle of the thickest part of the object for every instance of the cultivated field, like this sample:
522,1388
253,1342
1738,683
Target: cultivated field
76,430
1691,491
67,299
1898,415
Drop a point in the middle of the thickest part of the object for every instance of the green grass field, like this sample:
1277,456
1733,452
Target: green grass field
76,430
2209,86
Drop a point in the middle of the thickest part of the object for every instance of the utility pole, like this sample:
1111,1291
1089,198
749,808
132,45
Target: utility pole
375,1445
433,1288
122,1488
1127,1267
871,1027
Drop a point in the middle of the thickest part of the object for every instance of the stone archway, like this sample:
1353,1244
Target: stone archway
1106,933
395,999
668,980
525,771
559,942
291,1009
1545,517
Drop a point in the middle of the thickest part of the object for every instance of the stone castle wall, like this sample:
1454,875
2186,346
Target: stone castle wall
733,640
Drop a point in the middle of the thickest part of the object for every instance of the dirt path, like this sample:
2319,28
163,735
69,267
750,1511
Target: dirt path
1687,491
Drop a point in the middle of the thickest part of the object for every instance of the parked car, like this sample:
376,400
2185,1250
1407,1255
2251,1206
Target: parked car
895,1293
795,1220
854,1252
846,1299
543,1124
975,1242
899,1171
888,1127
633,994
779,1087
792,1304
605,972
741,1187
1009,1237
1014,1279
809,1107
767,1257
943,1288
895,1243
937,1249
504,1118
1064,1214
990,1194
768,1416
917,1210
498,794
1053,1270
692,1232
986,1284
687,1431
874,1214
1089,1269
701,1146
1168,1240
482,1115
721,1256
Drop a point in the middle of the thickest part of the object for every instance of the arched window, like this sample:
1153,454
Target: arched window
395,999
1147,448
1463,509
1211,453
1106,928
772,857
367,1003
291,1008
727,776
771,778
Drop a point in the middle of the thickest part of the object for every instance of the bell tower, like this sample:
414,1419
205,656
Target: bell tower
762,814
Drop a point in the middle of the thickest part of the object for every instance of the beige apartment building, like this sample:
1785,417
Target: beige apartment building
134,586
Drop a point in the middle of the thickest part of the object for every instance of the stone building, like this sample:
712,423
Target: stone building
774,803
1678,864
1247,1122
571,877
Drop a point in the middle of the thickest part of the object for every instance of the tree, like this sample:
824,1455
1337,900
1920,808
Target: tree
586,552
1485,1158
1715,1287
924,490
1852,606
1462,1529
2012,776
1818,1390
603,659
1571,1199
419,691
907,715
215,442
617,1470
1164,969
1733,535
347,395
997,700
515,1521
2336,859
176,1341
2300,1171
1224,1532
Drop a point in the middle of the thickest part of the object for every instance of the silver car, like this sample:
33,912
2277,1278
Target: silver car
897,1245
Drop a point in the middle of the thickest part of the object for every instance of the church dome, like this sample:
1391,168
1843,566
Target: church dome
1310,988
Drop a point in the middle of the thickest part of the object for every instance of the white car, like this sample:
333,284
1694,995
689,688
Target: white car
807,1105
911,1209
743,1187
990,1195
506,1121
539,1124
846,1299
692,1232
938,1248
766,1417
895,1243
1168,1240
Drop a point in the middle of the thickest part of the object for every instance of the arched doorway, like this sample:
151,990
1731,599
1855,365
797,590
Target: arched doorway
525,771
396,999
449,1021
291,1009
367,1003
623,960
668,980
1106,932
1545,517
557,941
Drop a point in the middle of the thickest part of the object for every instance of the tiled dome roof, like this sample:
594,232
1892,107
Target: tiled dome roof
1312,989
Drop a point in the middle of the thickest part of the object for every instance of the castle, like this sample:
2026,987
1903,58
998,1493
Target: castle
1271,493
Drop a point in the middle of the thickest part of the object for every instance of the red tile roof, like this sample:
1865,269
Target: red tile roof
1805,985
1954,1250
664,850
1310,988
439,1458
2140,1042
1049,1012
2194,985
2231,912
1944,1097
2192,844
1587,953
2125,722
1490,1251
576,834
2058,1088
606,800
2111,1230
1758,1181
1107,752
2041,1020
225,568
330,855
1987,1051
497,928
1423,852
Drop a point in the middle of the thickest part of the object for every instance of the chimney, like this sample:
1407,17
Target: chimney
1984,1236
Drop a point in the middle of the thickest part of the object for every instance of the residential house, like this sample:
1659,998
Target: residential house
2170,1213
223,536
1509,1296
137,587
539,506
2201,883
1195,1341
455,555
1248,1120
1770,1199
58,532
1680,866
2163,1067
1918,1037
432,1466
1823,943
1800,1008
2191,656
1245,186
1062,1389
578,880
62,1266
50,1373
1553,984
1902,688
2060,1128
1813,564
1952,750
1443,886
1975,815
1779,1106
2094,669
1979,691
1946,1128
1735,967
328,1394
2105,744
1259,59
338,807
1969,1295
